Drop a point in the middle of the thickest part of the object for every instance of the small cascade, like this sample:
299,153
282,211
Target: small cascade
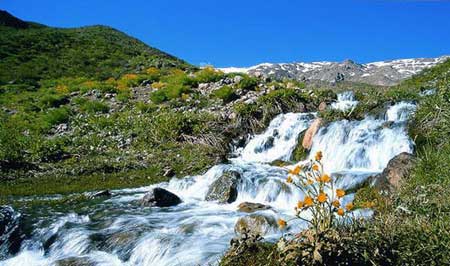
345,101
118,231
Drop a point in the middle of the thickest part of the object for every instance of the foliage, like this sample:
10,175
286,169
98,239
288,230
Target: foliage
208,74
225,93
248,83
94,107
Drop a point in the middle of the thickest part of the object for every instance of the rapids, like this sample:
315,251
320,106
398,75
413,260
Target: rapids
117,231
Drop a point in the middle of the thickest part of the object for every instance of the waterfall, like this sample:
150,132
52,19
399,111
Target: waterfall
345,101
117,231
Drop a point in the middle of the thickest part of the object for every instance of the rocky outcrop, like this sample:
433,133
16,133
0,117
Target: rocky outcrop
224,189
250,207
311,132
159,197
99,194
11,234
397,170
255,224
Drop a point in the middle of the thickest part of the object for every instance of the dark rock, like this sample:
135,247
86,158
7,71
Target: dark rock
250,207
75,261
11,235
255,224
159,197
100,194
168,172
322,106
224,189
395,172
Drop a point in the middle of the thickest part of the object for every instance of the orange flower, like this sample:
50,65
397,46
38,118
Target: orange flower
349,206
340,212
315,167
300,204
296,170
322,197
308,201
336,203
289,179
340,193
309,181
325,179
318,156
282,223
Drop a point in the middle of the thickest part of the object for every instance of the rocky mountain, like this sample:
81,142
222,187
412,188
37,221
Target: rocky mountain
384,73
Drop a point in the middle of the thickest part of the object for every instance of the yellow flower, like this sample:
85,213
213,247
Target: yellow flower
289,179
309,181
336,203
340,212
282,223
308,201
300,204
322,197
315,167
318,156
296,170
325,179
340,193
349,206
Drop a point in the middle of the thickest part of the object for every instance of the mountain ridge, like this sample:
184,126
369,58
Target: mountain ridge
383,73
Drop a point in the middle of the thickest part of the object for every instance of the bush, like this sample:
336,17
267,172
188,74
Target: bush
225,93
13,142
248,83
94,107
52,100
57,116
208,74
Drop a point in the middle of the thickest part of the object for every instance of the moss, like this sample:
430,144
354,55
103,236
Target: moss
299,153
259,254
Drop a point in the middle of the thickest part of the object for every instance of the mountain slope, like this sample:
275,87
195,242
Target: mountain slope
385,73
29,52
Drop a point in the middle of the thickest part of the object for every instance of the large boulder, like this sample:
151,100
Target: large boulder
395,172
255,225
224,189
250,207
311,132
159,197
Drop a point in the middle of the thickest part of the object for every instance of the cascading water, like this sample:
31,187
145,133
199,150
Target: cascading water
117,231
345,101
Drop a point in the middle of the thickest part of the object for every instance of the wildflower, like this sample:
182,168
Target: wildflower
318,156
340,193
325,178
322,197
309,181
336,203
282,223
300,204
296,170
340,212
315,167
349,206
289,179
308,201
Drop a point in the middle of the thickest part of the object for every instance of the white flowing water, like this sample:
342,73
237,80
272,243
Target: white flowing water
118,231
345,101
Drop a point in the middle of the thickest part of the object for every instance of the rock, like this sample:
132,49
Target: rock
11,233
159,197
100,194
168,172
75,261
311,132
224,189
322,106
250,207
255,224
237,79
395,172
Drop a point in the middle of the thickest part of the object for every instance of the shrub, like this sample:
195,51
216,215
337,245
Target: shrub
208,74
94,107
248,83
13,142
158,96
225,93
57,116
52,100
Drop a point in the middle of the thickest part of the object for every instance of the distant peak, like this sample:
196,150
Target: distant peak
8,20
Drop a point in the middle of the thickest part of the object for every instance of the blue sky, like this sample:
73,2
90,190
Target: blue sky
243,33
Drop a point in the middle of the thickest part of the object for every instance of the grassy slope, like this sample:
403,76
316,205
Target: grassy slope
28,54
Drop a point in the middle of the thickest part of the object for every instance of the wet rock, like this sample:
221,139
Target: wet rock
395,172
279,163
224,189
11,235
75,261
159,197
168,172
322,106
250,207
255,224
311,132
100,194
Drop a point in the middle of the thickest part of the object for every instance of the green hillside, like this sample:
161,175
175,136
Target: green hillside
30,52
